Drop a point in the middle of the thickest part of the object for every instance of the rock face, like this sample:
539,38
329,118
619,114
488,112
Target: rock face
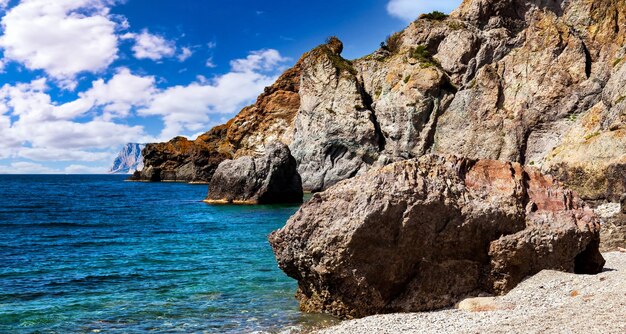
421,234
128,160
182,160
270,179
269,119
529,81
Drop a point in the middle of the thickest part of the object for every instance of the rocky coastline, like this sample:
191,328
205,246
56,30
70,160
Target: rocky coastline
468,153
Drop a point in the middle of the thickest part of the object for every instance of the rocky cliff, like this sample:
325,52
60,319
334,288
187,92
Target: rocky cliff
531,81
269,119
128,160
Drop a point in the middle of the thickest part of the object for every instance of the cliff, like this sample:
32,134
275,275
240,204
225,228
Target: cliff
269,119
530,81
128,160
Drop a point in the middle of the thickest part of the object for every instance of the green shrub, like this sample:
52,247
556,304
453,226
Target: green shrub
423,56
435,16
339,62
420,53
393,42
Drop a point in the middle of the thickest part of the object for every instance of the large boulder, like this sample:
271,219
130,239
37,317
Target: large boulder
421,234
269,179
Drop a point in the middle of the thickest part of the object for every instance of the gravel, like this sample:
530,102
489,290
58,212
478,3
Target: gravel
549,302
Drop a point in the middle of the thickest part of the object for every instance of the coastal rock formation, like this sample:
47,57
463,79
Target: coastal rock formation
269,179
534,82
422,233
128,160
269,119
183,160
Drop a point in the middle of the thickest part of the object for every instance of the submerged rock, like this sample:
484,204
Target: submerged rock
269,179
421,234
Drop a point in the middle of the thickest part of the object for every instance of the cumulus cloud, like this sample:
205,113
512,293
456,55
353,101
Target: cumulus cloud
61,37
409,10
120,94
34,127
44,131
188,108
66,38
263,60
150,46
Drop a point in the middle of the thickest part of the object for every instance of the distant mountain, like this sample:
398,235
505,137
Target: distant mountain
128,160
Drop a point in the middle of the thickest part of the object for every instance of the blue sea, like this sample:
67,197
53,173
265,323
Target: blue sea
89,254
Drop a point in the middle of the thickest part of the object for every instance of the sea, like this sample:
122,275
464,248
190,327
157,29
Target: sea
96,254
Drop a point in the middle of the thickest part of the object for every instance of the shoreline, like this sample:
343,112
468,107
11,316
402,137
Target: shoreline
548,302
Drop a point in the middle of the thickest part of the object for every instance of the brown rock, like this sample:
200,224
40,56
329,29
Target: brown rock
269,119
421,234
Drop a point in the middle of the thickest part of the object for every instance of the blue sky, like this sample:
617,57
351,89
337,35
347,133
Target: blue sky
79,78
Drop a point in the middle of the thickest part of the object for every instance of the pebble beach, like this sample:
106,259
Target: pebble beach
549,302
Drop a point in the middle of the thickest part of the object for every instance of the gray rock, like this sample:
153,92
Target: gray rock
268,179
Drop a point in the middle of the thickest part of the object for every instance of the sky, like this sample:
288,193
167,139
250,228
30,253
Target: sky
81,78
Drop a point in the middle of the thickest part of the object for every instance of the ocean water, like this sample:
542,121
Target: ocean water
84,254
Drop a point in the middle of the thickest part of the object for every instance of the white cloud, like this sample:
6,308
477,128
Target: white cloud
410,10
210,63
25,167
187,108
150,46
263,60
80,169
34,127
44,131
61,37
185,53
124,91
55,154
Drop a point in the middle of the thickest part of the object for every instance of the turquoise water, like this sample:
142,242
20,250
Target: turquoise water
96,254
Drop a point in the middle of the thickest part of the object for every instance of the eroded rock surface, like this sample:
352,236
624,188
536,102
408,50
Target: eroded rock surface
535,82
421,234
269,119
269,179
